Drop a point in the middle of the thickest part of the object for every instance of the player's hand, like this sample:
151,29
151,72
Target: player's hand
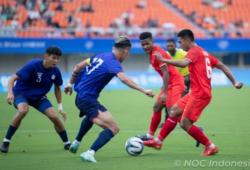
149,93
157,54
238,85
68,90
64,115
10,98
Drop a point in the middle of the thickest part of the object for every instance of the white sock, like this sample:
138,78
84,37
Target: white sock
6,140
65,143
92,152
76,142
148,135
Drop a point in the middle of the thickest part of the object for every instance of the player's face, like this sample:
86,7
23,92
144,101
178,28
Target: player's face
147,45
125,53
51,60
184,43
171,47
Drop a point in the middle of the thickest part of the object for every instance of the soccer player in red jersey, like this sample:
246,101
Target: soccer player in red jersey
173,83
190,107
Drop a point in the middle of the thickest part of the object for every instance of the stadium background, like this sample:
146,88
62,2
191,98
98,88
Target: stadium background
82,28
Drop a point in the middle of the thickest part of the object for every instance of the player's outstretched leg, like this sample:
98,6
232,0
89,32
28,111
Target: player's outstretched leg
197,142
155,121
167,128
51,114
23,109
156,118
84,128
104,120
166,117
196,133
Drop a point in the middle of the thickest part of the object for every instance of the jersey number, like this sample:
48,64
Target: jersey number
39,77
97,62
208,68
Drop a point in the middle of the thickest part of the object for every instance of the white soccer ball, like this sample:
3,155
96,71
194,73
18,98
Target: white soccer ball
134,146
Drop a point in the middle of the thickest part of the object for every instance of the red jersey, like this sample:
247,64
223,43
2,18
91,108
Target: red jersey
200,70
175,78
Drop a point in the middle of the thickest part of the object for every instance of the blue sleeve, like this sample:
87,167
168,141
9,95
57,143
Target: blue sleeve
115,67
25,72
58,80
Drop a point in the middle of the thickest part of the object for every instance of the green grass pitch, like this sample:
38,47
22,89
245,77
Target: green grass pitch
226,120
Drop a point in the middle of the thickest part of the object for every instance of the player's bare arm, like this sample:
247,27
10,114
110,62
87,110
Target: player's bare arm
126,80
164,71
165,76
10,96
77,69
229,75
165,82
58,95
178,63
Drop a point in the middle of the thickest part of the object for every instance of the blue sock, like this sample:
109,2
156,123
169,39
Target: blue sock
102,139
11,131
63,136
84,128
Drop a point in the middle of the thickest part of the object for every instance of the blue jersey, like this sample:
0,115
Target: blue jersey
35,81
93,78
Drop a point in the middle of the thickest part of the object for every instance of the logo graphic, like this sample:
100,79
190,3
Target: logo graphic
53,77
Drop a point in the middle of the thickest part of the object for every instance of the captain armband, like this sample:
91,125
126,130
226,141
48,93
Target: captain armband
87,61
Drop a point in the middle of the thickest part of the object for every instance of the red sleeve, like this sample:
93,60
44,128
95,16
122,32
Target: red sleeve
192,55
213,60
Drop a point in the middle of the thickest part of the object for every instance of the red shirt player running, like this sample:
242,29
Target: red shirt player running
173,82
190,107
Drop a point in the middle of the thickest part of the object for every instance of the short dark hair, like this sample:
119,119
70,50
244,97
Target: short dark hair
171,40
145,35
122,42
186,33
53,50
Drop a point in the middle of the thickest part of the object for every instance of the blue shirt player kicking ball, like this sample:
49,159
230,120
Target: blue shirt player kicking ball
33,82
90,77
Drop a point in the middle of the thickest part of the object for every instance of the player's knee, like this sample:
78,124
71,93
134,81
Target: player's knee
53,117
175,111
23,111
115,129
185,125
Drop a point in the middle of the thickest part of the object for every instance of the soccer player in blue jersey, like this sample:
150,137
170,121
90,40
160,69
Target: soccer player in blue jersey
89,78
32,82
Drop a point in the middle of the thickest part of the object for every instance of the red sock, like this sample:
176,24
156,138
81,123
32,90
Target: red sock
156,118
168,126
198,135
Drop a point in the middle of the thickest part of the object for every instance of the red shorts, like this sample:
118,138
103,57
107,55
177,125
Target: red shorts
173,95
192,106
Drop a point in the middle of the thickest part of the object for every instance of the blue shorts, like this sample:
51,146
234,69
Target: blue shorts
40,104
89,108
